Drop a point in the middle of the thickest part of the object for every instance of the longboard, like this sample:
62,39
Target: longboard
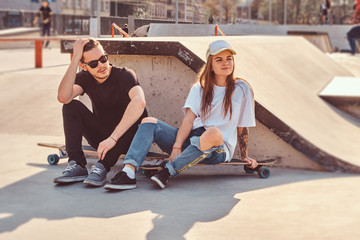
151,169
89,152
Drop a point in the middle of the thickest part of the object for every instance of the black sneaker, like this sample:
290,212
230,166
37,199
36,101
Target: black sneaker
121,181
161,178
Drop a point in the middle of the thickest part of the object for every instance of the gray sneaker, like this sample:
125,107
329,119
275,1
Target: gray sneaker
97,176
72,173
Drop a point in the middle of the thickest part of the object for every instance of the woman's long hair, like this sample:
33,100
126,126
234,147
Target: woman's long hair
207,81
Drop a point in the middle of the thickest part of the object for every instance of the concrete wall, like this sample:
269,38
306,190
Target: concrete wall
18,33
336,32
352,110
167,81
263,144
22,33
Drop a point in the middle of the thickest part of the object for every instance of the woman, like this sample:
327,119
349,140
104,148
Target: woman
218,111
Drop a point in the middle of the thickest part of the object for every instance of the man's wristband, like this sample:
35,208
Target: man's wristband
113,139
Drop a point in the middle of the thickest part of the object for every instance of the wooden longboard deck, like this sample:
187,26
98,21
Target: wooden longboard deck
85,148
89,152
266,162
150,170
236,161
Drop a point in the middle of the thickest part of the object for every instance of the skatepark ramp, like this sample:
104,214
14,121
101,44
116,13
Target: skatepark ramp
336,33
287,73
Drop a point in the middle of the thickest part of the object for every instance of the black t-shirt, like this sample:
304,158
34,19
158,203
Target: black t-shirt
354,32
45,12
110,98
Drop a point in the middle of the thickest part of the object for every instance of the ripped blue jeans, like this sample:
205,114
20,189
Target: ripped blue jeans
164,136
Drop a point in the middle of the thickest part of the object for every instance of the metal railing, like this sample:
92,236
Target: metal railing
113,26
38,45
217,28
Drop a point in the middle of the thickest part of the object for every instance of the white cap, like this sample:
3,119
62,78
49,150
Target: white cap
217,47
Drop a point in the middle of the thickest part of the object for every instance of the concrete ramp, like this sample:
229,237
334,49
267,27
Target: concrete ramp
287,74
337,33
344,93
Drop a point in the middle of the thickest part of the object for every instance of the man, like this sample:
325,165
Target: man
118,104
353,35
126,28
46,12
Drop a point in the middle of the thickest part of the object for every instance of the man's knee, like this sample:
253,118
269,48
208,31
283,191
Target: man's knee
74,105
73,102
149,120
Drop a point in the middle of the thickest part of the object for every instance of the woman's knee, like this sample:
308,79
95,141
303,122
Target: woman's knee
149,120
212,137
214,133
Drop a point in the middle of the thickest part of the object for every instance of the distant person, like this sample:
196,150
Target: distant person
118,104
126,28
46,12
211,19
353,36
357,12
325,9
217,115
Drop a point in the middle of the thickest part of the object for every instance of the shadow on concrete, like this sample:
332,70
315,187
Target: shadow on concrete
202,194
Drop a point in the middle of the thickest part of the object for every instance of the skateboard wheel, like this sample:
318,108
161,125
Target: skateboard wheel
53,159
248,170
264,172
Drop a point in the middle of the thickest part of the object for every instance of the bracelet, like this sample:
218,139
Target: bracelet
113,139
176,148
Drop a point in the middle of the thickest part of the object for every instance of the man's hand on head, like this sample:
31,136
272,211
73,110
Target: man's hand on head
79,47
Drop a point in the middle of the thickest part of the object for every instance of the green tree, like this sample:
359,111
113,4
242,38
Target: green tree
255,6
228,9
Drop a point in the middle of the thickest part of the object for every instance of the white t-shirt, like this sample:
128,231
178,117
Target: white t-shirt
243,112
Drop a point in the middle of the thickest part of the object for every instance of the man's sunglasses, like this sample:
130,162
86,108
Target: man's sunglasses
94,63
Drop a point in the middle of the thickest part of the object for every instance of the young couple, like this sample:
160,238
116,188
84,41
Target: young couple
217,113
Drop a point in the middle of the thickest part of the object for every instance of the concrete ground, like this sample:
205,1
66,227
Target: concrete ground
219,202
